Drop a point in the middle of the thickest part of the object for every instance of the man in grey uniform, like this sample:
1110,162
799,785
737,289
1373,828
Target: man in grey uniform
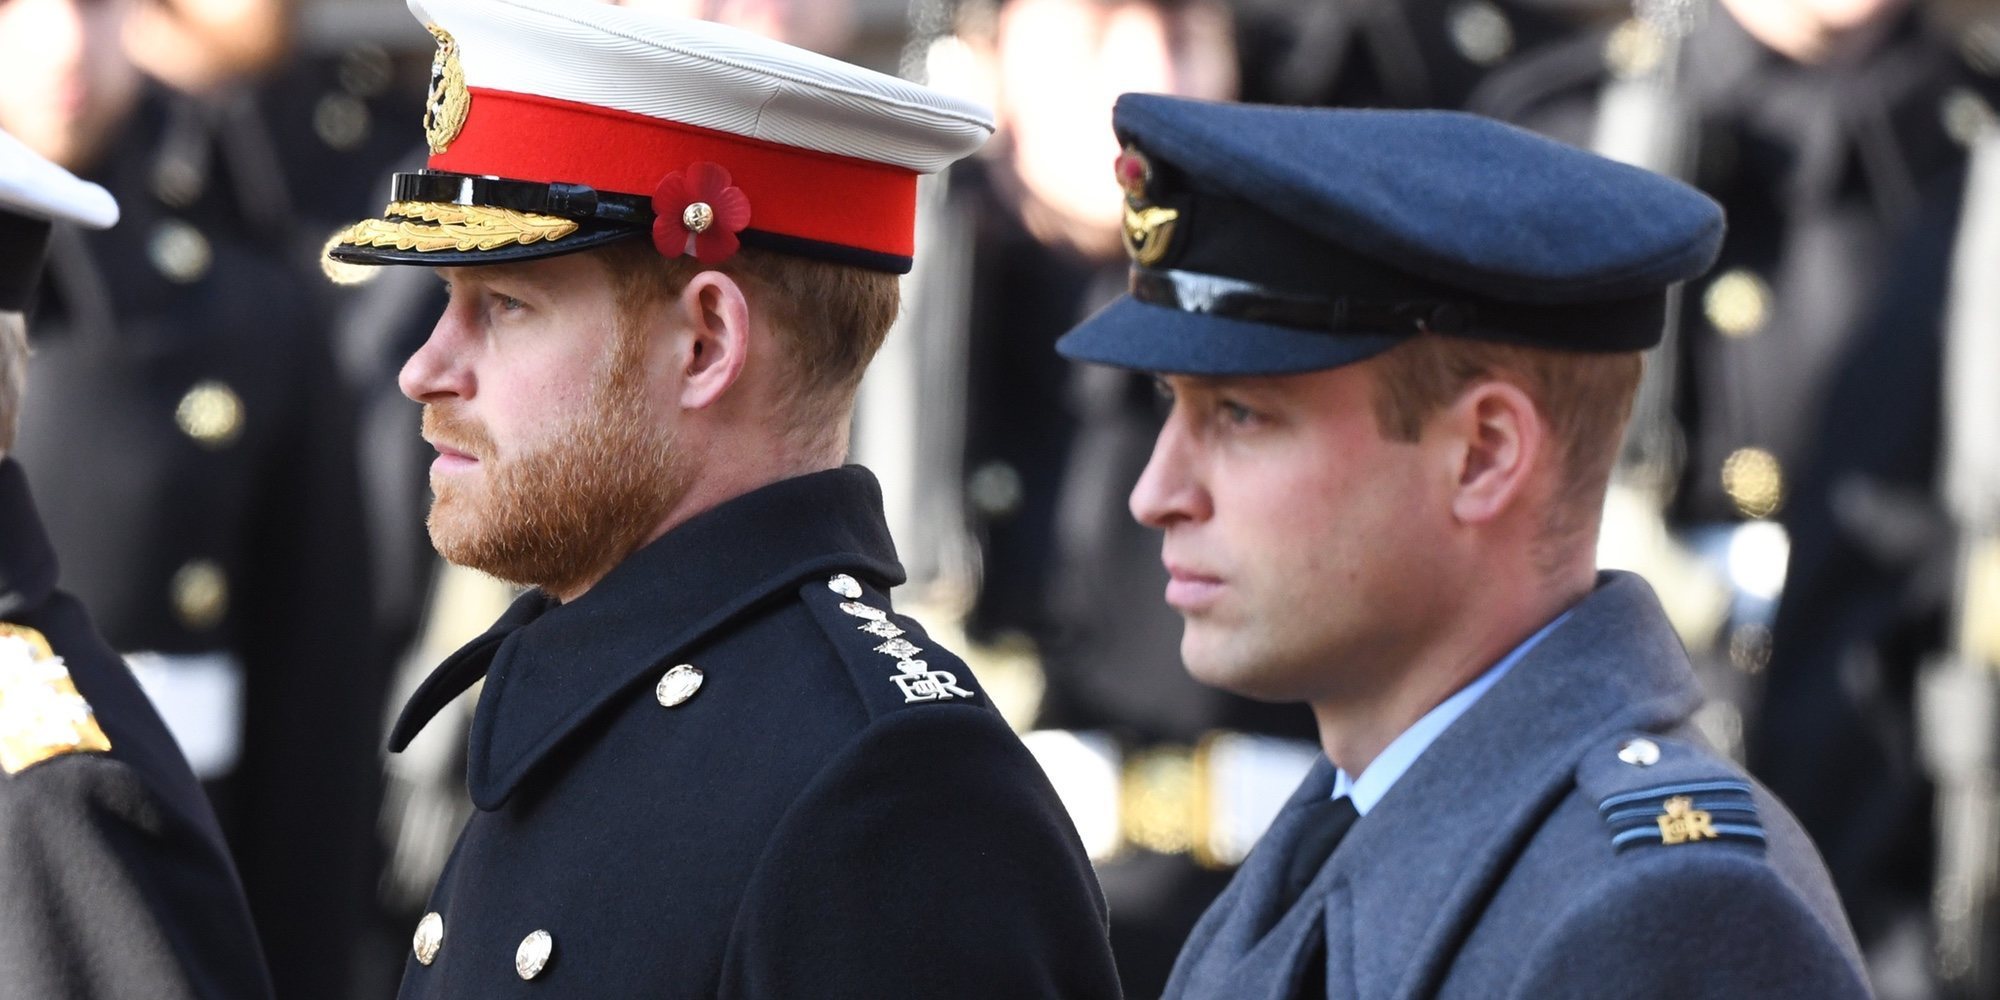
1401,348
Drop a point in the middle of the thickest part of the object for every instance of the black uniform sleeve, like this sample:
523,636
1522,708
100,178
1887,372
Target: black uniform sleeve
931,859
1691,923
106,894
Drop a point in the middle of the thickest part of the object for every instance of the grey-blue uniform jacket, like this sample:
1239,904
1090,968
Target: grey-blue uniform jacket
1543,848
835,811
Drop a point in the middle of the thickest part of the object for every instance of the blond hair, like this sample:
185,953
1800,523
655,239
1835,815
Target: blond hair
1585,398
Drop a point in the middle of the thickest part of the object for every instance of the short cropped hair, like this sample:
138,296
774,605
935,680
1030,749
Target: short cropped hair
1584,397
13,374
829,319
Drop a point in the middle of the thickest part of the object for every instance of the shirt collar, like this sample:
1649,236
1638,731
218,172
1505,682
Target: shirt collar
1395,759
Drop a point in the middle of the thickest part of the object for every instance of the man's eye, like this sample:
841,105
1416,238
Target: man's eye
508,303
1236,413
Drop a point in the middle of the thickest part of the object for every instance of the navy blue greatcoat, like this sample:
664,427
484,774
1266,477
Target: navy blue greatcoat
835,812
1524,855
114,879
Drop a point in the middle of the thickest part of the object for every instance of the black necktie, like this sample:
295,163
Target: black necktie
1325,823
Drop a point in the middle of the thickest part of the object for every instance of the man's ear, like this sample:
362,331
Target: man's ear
1498,437
716,316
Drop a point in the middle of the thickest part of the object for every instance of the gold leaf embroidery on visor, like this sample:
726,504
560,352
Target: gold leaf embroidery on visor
455,227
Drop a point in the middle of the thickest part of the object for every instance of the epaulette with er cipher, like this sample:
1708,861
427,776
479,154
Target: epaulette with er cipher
1656,792
892,661
42,715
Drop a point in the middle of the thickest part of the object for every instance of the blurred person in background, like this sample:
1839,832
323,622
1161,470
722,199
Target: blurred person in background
114,878
1016,450
195,457
1395,53
823,26
1834,132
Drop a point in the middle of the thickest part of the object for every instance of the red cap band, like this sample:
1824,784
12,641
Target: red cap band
793,192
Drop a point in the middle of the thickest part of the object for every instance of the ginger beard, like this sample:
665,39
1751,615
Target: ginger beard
563,515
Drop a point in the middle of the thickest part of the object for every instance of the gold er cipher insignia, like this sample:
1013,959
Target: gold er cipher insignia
449,102
1683,823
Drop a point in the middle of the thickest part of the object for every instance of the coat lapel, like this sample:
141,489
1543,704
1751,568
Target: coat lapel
1405,887
1244,946
550,668
1418,866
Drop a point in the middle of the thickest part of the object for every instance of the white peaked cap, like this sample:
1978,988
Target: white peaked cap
32,186
708,75
34,194
560,125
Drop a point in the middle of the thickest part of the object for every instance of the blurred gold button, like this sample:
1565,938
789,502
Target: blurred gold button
1634,49
1738,304
180,252
211,413
1481,32
200,594
430,937
533,955
1754,481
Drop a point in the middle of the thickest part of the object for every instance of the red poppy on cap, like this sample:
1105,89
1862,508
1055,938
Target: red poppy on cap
697,213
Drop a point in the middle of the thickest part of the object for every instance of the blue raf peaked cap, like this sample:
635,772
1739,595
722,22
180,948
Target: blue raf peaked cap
1269,240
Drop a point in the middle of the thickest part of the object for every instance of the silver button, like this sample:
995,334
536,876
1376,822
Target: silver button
533,955
678,685
1639,752
430,937
845,586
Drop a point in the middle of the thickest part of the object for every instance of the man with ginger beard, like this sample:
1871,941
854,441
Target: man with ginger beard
707,760
561,513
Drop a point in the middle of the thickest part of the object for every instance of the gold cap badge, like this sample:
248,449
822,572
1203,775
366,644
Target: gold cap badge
449,102
1149,229
42,715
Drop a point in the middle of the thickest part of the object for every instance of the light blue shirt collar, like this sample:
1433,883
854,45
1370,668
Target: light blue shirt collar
1403,751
